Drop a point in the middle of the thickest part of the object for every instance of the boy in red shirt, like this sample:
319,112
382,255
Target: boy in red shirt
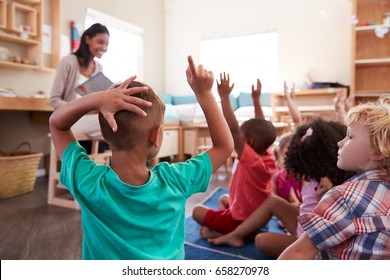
251,181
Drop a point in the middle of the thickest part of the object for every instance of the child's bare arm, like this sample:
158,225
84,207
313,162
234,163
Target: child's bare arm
302,249
293,199
292,107
107,102
339,106
201,82
224,90
256,93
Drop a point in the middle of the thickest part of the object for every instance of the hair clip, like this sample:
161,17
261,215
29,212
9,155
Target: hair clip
308,133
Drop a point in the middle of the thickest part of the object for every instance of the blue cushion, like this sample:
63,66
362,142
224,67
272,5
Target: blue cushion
265,99
166,98
245,99
233,102
183,99
170,112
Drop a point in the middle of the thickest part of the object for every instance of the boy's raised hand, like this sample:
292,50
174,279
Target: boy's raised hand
121,98
224,87
199,79
256,92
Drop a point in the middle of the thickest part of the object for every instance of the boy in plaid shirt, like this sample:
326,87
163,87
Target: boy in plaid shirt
352,221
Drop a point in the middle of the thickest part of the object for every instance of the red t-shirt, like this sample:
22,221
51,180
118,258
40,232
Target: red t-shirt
251,182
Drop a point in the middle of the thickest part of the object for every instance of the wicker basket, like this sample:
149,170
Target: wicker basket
18,171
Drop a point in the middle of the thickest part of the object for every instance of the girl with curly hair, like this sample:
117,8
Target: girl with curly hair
311,157
352,221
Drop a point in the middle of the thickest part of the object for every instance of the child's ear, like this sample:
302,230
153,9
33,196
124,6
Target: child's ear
377,156
156,134
249,141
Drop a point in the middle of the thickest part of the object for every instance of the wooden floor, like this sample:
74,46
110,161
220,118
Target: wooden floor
33,230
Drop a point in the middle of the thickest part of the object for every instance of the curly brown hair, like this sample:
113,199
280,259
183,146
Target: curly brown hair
314,156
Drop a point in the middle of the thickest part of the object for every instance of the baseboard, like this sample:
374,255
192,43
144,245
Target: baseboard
41,172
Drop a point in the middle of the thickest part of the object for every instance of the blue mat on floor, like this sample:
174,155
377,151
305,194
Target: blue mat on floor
199,249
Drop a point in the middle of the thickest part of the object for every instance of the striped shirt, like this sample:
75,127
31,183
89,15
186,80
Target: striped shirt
352,220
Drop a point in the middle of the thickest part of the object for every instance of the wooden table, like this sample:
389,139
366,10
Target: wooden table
25,104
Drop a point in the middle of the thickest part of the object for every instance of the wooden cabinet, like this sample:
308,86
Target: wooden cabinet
313,102
170,144
21,32
370,53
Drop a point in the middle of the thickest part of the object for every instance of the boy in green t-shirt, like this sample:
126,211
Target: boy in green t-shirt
128,210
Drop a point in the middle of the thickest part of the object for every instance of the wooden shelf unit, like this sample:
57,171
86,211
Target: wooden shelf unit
3,14
27,44
318,102
370,54
24,16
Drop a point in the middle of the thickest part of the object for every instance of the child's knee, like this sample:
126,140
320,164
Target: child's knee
223,202
199,213
261,243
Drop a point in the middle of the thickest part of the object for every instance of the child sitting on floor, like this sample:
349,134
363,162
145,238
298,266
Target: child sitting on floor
285,185
250,184
352,221
311,157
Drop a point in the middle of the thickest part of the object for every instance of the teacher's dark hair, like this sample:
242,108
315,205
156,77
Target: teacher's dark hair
83,50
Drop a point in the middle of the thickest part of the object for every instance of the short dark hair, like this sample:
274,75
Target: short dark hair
132,128
83,50
261,131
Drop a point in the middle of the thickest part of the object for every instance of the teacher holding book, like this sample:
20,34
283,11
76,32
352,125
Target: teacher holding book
75,69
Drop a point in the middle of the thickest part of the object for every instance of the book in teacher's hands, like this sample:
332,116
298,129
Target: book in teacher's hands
97,82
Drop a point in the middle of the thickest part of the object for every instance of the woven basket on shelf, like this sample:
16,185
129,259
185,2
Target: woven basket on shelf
18,171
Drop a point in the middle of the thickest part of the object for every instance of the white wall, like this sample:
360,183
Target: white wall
314,35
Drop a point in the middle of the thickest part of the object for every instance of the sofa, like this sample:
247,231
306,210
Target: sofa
184,109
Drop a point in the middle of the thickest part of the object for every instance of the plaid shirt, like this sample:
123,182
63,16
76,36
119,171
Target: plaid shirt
352,220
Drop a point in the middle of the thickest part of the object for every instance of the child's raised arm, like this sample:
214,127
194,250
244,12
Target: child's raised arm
224,90
339,106
201,82
292,107
256,93
107,102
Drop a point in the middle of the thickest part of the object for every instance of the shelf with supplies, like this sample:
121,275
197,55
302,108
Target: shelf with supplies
370,28
370,51
21,34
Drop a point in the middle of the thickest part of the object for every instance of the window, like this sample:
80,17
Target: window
124,55
245,58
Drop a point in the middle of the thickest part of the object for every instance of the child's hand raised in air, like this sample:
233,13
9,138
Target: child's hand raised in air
289,94
199,79
339,100
256,92
120,98
224,87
